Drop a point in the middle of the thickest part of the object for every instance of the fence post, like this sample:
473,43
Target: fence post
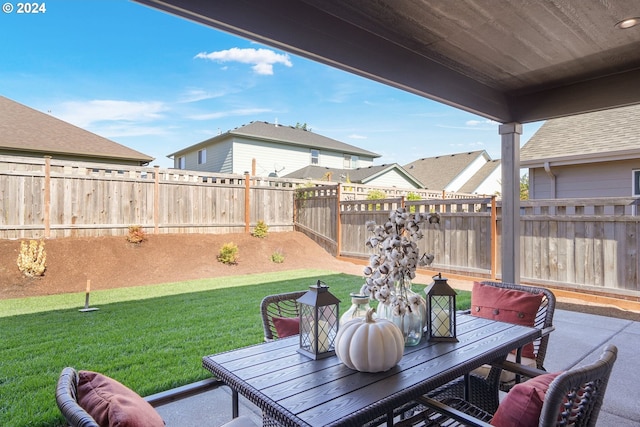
47,197
156,200
494,237
339,221
247,203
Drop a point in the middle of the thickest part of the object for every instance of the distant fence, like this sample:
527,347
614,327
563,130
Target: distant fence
51,198
588,244
55,198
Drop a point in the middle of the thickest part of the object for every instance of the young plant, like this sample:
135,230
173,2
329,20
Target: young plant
136,234
277,257
413,196
228,253
32,259
376,195
261,230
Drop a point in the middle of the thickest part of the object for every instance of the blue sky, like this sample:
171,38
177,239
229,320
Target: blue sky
158,83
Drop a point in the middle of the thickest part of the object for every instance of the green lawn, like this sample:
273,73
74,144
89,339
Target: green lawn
150,338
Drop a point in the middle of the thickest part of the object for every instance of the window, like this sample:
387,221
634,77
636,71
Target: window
202,156
636,182
350,162
315,157
181,163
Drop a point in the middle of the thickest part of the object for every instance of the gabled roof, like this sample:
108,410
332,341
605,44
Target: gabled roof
438,172
585,138
23,129
481,176
356,176
288,135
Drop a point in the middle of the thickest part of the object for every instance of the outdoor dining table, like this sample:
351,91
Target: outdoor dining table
294,390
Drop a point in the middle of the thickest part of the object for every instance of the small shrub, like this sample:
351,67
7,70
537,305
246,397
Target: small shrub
136,234
413,196
376,195
32,259
277,257
261,230
228,253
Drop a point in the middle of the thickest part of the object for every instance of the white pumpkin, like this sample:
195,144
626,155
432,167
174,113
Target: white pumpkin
369,345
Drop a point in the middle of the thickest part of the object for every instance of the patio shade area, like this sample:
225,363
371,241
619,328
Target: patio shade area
514,62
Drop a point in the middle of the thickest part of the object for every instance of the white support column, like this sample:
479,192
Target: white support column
510,253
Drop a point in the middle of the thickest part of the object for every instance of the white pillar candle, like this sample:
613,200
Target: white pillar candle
441,324
323,337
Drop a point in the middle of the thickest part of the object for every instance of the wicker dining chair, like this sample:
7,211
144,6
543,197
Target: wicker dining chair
76,416
485,387
278,305
574,398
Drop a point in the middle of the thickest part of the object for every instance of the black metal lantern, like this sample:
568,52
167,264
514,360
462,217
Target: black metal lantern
318,321
441,306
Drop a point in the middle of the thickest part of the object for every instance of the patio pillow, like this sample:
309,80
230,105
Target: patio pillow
112,404
522,405
506,305
286,326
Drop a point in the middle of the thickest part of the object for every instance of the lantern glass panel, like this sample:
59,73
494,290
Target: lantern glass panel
441,316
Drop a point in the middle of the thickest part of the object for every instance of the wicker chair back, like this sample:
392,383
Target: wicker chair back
67,400
577,394
279,305
544,316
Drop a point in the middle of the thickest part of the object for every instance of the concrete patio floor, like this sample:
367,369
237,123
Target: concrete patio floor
578,339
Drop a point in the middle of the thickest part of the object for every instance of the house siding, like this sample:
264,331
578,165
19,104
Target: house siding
606,179
492,184
391,179
466,174
272,157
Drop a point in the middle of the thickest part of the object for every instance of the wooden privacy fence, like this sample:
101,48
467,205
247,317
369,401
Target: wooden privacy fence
580,243
588,244
55,198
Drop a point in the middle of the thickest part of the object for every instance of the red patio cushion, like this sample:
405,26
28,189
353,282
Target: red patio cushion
111,404
506,305
286,326
522,405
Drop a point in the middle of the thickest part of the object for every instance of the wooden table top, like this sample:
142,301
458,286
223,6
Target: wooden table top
298,391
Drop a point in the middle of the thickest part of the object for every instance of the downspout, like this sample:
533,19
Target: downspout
547,169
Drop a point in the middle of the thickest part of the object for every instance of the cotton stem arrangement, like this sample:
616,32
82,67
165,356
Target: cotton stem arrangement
392,268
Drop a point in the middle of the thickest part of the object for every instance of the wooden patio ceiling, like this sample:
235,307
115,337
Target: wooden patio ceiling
507,60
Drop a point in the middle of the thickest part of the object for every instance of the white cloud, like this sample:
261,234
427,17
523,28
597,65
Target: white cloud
83,114
229,113
481,122
195,95
261,59
356,136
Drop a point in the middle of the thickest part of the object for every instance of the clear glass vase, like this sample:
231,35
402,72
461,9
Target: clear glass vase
410,323
359,307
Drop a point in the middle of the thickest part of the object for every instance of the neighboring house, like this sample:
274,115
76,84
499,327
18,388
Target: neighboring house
384,175
274,149
470,172
26,132
588,155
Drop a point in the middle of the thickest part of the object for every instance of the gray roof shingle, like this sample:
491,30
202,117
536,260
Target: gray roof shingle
25,129
357,176
284,135
585,137
437,172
